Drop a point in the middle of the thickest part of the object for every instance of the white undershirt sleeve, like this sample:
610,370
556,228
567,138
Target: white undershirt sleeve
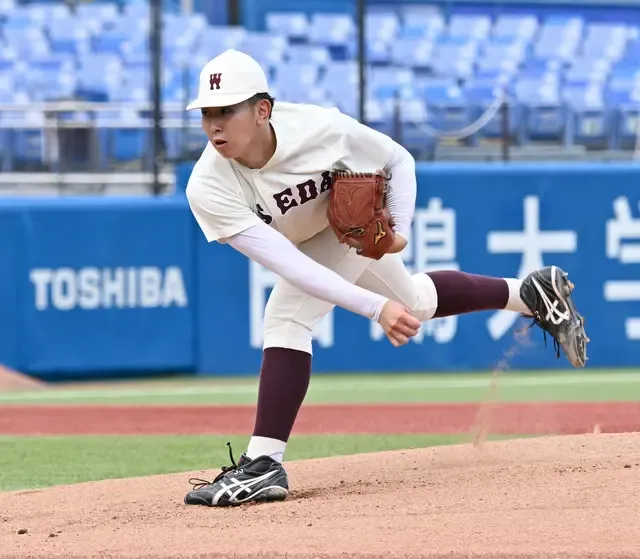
274,251
401,198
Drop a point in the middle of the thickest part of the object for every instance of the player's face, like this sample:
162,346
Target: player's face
232,129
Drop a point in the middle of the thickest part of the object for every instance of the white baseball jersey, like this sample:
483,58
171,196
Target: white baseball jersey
257,210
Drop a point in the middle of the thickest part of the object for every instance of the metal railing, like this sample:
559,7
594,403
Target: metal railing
72,143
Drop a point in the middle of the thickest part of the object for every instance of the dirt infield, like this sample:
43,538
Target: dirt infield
535,418
570,496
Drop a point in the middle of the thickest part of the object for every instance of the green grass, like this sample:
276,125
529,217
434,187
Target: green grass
33,462
29,462
552,386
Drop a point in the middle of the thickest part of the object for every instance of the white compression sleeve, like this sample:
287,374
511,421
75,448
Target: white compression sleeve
401,198
274,251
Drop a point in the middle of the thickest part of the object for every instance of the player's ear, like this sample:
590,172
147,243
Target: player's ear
263,108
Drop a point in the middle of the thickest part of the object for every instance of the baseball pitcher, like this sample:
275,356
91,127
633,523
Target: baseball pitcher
326,203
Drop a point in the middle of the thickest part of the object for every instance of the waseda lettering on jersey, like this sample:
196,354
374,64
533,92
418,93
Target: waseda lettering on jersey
326,182
214,81
263,216
305,192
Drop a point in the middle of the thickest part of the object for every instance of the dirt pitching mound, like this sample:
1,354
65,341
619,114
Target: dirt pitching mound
570,496
14,381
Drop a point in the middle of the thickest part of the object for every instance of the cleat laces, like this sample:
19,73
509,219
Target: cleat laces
199,483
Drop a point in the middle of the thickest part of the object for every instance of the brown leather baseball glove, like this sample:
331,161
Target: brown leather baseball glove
358,212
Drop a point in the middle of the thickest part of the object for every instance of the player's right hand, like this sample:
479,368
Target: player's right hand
398,323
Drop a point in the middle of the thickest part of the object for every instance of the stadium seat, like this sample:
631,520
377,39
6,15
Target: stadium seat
469,27
516,28
68,37
422,22
559,38
588,70
336,32
309,54
7,7
412,52
99,11
267,49
628,125
124,136
291,78
454,58
27,42
589,120
292,25
25,131
383,25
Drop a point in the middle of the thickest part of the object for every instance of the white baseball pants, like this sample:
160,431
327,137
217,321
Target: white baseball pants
291,315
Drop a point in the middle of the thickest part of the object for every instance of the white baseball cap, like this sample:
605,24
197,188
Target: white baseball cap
229,78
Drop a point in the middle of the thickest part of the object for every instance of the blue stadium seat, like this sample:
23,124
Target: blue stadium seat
45,13
315,96
6,87
7,61
590,121
483,95
184,30
218,39
112,40
335,30
411,52
309,54
538,90
383,25
559,38
124,136
628,124
378,52
265,48
52,85
7,7
27,42
26,136
501,58
20,18
136,9
587,70
414,134
292,25
516,28
604,40
68,36
99,76
538,67
385,83
98,11
469,27
422,22
380,116
454,59
295,76
445,102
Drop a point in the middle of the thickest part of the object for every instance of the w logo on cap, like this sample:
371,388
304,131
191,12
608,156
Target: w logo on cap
214,81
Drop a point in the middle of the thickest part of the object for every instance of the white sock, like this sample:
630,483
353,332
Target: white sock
264,446
515,303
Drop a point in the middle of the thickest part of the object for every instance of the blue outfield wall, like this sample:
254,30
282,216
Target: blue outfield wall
102,286
96,285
